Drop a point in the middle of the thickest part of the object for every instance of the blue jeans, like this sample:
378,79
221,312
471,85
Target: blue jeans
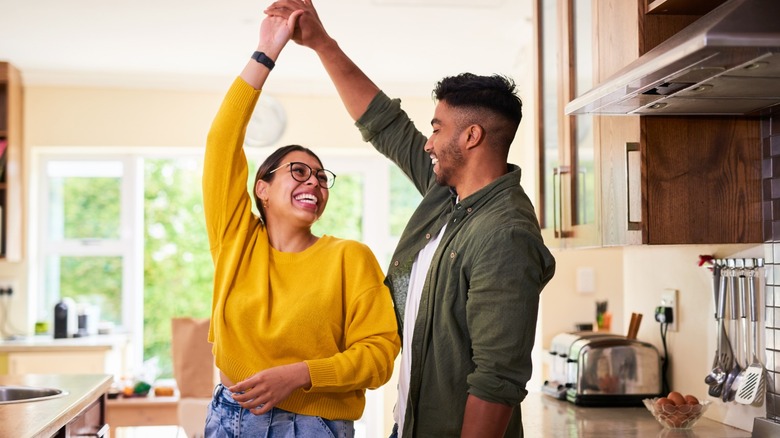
227,419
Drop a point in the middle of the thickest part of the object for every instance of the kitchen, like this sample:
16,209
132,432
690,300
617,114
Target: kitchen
631,278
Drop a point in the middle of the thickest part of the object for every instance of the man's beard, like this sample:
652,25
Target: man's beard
453,157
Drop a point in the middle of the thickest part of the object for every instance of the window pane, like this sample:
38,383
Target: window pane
84,200
404,198
91,280
343,215
178,270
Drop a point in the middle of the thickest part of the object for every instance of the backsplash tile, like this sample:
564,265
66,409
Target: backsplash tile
770,170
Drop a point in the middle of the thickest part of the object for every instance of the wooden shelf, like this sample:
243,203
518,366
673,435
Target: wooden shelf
143,411
11,225
682,7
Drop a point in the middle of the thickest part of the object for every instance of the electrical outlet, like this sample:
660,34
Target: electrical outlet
669,299
7,287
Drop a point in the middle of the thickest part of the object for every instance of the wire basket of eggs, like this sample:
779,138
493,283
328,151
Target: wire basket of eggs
676,411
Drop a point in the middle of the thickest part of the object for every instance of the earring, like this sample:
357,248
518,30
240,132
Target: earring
265,204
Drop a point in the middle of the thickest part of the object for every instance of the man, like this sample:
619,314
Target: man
470,265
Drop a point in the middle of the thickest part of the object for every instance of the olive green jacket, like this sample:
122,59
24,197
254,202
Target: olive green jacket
477,317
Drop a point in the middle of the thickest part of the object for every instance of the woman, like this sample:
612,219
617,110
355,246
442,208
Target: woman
301,325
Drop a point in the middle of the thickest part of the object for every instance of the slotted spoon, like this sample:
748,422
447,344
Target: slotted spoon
752,385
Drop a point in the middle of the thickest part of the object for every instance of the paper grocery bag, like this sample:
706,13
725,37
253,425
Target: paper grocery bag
193,363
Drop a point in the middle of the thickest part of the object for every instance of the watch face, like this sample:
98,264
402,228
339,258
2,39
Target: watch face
267,123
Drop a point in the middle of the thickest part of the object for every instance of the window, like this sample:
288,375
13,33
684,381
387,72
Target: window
87,250
125,234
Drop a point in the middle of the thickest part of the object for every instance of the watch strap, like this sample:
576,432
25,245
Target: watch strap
262,58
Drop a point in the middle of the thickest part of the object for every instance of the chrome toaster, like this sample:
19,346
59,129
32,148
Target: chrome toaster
604,370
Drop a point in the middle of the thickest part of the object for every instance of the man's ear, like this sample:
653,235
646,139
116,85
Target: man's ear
475,134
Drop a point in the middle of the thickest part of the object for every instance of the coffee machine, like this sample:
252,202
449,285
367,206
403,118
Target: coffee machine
65,319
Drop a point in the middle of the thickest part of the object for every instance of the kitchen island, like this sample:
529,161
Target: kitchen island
546,417
82,407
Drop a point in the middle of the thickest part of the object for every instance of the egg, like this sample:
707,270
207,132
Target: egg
661,403
676,398
691,400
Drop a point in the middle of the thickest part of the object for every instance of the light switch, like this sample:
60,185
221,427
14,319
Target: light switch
586,280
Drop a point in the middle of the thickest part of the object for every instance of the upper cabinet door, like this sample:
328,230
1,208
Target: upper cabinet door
568,176
11,206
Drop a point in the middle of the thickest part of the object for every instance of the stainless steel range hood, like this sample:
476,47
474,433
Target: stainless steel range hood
725,63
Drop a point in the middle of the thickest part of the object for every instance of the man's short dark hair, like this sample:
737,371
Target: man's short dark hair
495,93
493,100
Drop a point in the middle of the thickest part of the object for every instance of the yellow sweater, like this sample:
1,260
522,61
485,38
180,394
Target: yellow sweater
326,305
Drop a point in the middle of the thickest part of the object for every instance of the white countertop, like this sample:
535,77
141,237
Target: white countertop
48,343
45,417
546,417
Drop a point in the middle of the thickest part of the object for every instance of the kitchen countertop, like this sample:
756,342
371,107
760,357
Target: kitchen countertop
48,343
45,417
546,417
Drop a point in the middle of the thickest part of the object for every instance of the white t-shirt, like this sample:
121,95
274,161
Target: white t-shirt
416,281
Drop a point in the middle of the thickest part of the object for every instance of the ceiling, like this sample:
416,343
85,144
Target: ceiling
404,45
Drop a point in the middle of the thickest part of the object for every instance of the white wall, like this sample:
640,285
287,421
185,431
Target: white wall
635,276
649,270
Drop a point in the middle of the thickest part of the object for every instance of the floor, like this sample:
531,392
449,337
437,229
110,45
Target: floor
178,432
149,432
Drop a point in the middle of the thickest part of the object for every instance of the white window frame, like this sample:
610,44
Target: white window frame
128,246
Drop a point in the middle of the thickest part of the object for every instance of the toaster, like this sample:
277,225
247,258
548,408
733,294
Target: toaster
560,378
603,369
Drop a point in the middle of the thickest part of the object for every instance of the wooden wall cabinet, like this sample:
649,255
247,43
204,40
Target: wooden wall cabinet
670,179
11,213
682,7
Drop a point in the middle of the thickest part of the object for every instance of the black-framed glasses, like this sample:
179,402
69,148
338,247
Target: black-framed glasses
301,172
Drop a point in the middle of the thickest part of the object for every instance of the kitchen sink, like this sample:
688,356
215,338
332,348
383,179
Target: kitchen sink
22,394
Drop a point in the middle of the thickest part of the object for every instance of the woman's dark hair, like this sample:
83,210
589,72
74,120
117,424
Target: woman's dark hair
272,162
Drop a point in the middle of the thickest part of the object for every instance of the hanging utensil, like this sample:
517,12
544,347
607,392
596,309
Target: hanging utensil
735,369
724,356
751,389
741,330
717,287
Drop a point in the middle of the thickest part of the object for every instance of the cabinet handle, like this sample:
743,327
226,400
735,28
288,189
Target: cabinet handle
102,433
558,202
582,193
632,225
